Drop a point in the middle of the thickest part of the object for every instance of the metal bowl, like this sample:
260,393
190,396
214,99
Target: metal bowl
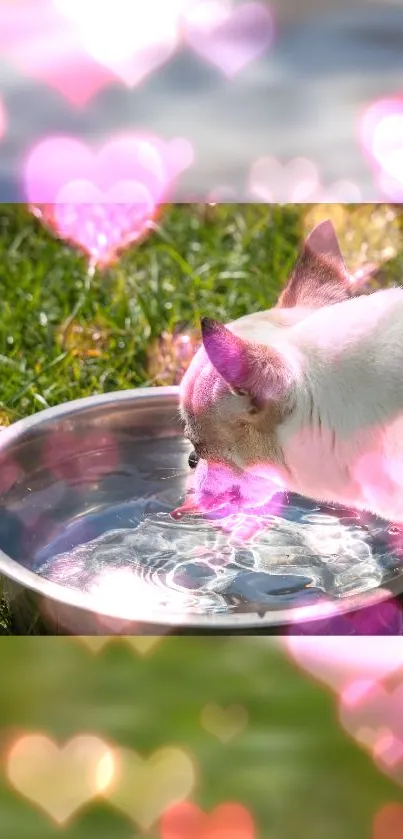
86,535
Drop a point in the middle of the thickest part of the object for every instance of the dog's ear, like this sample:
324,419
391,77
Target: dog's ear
320,277
247,367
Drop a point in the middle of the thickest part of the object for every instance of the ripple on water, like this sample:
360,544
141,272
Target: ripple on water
190,566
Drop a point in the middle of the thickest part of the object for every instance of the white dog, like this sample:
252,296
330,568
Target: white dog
307,396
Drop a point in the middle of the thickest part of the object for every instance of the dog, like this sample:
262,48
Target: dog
306,397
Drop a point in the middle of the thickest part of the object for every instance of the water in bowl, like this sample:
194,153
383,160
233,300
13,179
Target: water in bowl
120,545
100,522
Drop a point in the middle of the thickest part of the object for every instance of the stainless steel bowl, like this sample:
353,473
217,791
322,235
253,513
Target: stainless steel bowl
98,472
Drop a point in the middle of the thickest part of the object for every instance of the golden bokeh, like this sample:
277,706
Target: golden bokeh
224,723
83,341
366,232
170,355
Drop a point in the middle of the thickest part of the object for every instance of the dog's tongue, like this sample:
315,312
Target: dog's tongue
189,506
221,504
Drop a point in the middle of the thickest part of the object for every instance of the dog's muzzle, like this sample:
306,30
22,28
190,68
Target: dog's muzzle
193,460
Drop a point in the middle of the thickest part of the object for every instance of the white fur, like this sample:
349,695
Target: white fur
344,440
316,402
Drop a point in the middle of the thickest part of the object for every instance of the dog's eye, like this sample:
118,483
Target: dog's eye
193,460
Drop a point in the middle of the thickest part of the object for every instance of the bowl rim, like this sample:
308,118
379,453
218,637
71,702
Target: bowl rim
266,619
20,426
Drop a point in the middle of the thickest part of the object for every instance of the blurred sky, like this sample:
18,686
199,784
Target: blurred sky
304,97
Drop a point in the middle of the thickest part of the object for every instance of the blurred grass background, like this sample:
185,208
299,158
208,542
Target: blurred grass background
292,765
64,334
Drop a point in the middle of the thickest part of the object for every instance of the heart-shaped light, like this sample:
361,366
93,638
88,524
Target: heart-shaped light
60,779
229,38
187,821
40,42
381,134
102,200
129,37
143,788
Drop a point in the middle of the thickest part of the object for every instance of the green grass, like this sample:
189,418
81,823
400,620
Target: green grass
192,264
223,261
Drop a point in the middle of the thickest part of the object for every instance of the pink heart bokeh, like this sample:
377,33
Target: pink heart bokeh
244,517
338,661
37,40
357,670
388,822
296,181
229,38
3,119
106,199
78,47
185,820
128,38
381,134
371,714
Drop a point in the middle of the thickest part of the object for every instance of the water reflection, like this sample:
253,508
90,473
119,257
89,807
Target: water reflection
170,569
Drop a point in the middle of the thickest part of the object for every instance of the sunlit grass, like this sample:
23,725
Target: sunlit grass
227,260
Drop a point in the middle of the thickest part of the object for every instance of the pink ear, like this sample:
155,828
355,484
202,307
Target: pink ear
319,277
322,241
255,369
227,353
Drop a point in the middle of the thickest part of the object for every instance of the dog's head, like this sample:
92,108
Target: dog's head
244,381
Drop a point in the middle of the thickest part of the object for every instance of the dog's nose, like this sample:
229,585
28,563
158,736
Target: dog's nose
193,460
